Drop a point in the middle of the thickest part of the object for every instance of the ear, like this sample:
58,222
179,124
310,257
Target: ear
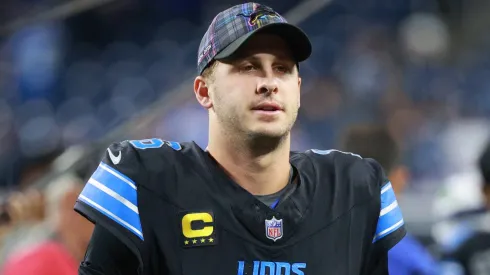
201,89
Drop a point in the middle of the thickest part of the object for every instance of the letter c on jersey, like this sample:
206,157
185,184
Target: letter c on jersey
204,231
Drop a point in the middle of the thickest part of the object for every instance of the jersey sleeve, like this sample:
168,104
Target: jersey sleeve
110,196
390,228
107,255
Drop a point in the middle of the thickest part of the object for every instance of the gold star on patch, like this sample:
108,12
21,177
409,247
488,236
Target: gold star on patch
194,241
211,240
203,240
186,242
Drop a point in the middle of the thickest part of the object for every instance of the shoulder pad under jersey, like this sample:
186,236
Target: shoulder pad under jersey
369,178
110,197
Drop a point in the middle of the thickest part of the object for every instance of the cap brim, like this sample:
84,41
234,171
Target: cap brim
297,40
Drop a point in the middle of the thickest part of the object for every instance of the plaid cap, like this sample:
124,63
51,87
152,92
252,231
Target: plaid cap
234,26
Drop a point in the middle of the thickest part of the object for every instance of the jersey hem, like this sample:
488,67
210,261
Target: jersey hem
125,236
388,242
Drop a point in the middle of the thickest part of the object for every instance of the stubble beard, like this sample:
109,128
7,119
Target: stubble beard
260,142
235,131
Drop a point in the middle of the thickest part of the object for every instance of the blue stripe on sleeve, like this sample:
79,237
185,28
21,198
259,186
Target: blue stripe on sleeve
117,182
391,217
388,197
389,222
115,208
124,177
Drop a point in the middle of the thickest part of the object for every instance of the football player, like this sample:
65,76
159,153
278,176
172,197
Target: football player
246,204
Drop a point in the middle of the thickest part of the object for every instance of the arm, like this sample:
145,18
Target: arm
379,265
390,228
110,200
107,255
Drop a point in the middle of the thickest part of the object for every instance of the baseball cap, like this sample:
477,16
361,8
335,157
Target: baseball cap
231,28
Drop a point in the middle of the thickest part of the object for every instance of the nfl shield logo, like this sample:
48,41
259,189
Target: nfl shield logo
273,229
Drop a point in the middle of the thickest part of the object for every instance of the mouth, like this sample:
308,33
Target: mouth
269,107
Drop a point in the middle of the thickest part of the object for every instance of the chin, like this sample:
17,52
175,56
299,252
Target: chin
270,132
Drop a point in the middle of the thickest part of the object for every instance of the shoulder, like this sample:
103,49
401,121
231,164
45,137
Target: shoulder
142,150
348,168
343,159
125,167
137,158
360,181
112,196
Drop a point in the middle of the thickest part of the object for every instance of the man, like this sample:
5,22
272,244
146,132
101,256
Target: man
245,205
408,257
469,249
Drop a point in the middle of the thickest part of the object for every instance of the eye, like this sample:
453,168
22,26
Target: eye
282,69
248,68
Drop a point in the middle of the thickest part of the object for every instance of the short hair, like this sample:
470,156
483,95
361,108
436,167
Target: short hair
208,72
484,164
372,141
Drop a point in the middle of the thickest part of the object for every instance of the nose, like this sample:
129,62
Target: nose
268,86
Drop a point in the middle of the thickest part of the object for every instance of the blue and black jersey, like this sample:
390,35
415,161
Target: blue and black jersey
168,208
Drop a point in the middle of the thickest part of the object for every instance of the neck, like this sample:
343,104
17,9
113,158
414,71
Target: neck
259,165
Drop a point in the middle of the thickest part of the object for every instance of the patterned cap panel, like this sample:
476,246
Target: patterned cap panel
231,24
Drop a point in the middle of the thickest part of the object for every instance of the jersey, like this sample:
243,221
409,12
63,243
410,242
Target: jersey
180,213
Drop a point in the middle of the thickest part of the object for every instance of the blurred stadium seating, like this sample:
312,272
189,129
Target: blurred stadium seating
115,70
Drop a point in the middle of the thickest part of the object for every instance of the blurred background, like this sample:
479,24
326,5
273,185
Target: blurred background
77,75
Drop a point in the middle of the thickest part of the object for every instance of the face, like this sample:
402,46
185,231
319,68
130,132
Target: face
255,93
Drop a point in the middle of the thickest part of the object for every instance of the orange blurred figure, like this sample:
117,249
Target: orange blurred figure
61,254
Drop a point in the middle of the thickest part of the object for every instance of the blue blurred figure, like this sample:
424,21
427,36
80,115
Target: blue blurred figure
469,247
408,257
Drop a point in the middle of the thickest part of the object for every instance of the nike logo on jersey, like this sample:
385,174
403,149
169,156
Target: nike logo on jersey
114,159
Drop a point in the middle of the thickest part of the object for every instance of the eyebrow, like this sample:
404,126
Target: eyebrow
245,56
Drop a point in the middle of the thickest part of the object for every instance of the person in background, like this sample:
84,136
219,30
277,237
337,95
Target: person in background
20,214
408,257
469,248
65,248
